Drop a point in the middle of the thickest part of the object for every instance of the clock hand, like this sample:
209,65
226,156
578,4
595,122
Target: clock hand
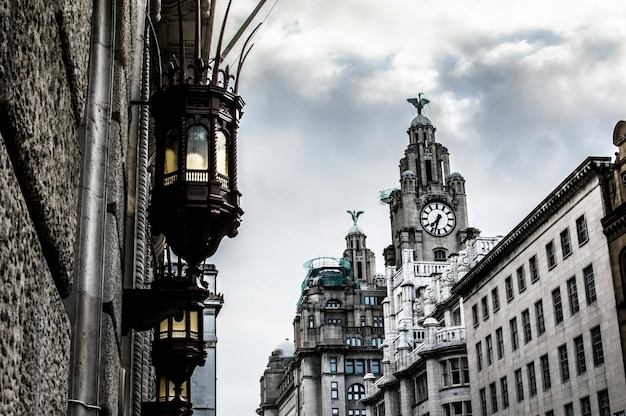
434,224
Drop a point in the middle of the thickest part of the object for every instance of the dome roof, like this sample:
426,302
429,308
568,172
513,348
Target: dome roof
355,230
455,175
286,348
408,174
421,120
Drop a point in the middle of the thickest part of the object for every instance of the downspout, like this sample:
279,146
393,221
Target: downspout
84,371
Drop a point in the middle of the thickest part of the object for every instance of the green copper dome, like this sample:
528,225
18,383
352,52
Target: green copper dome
421,120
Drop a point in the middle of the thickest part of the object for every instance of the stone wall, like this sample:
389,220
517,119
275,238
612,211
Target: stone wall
44,60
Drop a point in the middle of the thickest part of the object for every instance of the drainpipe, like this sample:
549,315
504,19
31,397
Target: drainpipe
84,369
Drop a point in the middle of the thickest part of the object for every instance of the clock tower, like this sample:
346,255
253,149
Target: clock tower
429,210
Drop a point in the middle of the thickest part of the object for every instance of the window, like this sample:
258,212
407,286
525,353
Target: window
495,299
585,406
375,366
532,379
485,307
534,269
377,321
528,336
541,325
377,342
590,285
311,321
479,355
439,254
334,390
356,412
519,385
455,371
500,342
355,367
489,345
603,403
336,321
566,243
572,292
494,397
370,300
564,365
363,323
545,372
354,341
521,279
569,409
579,347
333,304
505,392
421,387
596,346
514,335
558,306
551,254
356,392
333,364
483,402
581,230
335,411
508,284
475,315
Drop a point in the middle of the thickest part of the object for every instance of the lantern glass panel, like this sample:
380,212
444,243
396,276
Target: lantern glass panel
222,153
197,148
166,390
193,324
184,392
179,326
171,151
163,329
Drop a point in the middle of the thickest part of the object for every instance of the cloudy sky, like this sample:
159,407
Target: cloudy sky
521,93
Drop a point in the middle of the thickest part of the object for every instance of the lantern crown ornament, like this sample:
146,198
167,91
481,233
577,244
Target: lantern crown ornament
195,200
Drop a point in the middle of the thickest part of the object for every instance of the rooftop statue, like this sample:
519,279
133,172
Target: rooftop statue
419,102
355,215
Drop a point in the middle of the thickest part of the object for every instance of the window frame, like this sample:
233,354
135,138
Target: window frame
551,255
590,285
582,232
521,279
557,301
572,294
566,243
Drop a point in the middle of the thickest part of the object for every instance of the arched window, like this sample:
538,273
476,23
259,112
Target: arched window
333,304
377,341
440,254
356,392
354,341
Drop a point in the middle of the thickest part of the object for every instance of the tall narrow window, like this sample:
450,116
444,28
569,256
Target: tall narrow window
603,403
533,268
564,364
545,372
493,392
590,285
489,344
334,390
519,385
363,323
475,315
572,293
581,230
532,379
514,334
526,323
596,346
569,409
585,406
333,364
311,321
483,402
479,355
558,306
551,254
566,243
521,279
541,325
500,342
495,299
485,307
505,392
508,284
579,347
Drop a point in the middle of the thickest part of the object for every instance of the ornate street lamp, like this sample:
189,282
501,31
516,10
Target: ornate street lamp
194,200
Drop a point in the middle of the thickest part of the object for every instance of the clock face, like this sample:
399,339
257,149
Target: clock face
438,219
